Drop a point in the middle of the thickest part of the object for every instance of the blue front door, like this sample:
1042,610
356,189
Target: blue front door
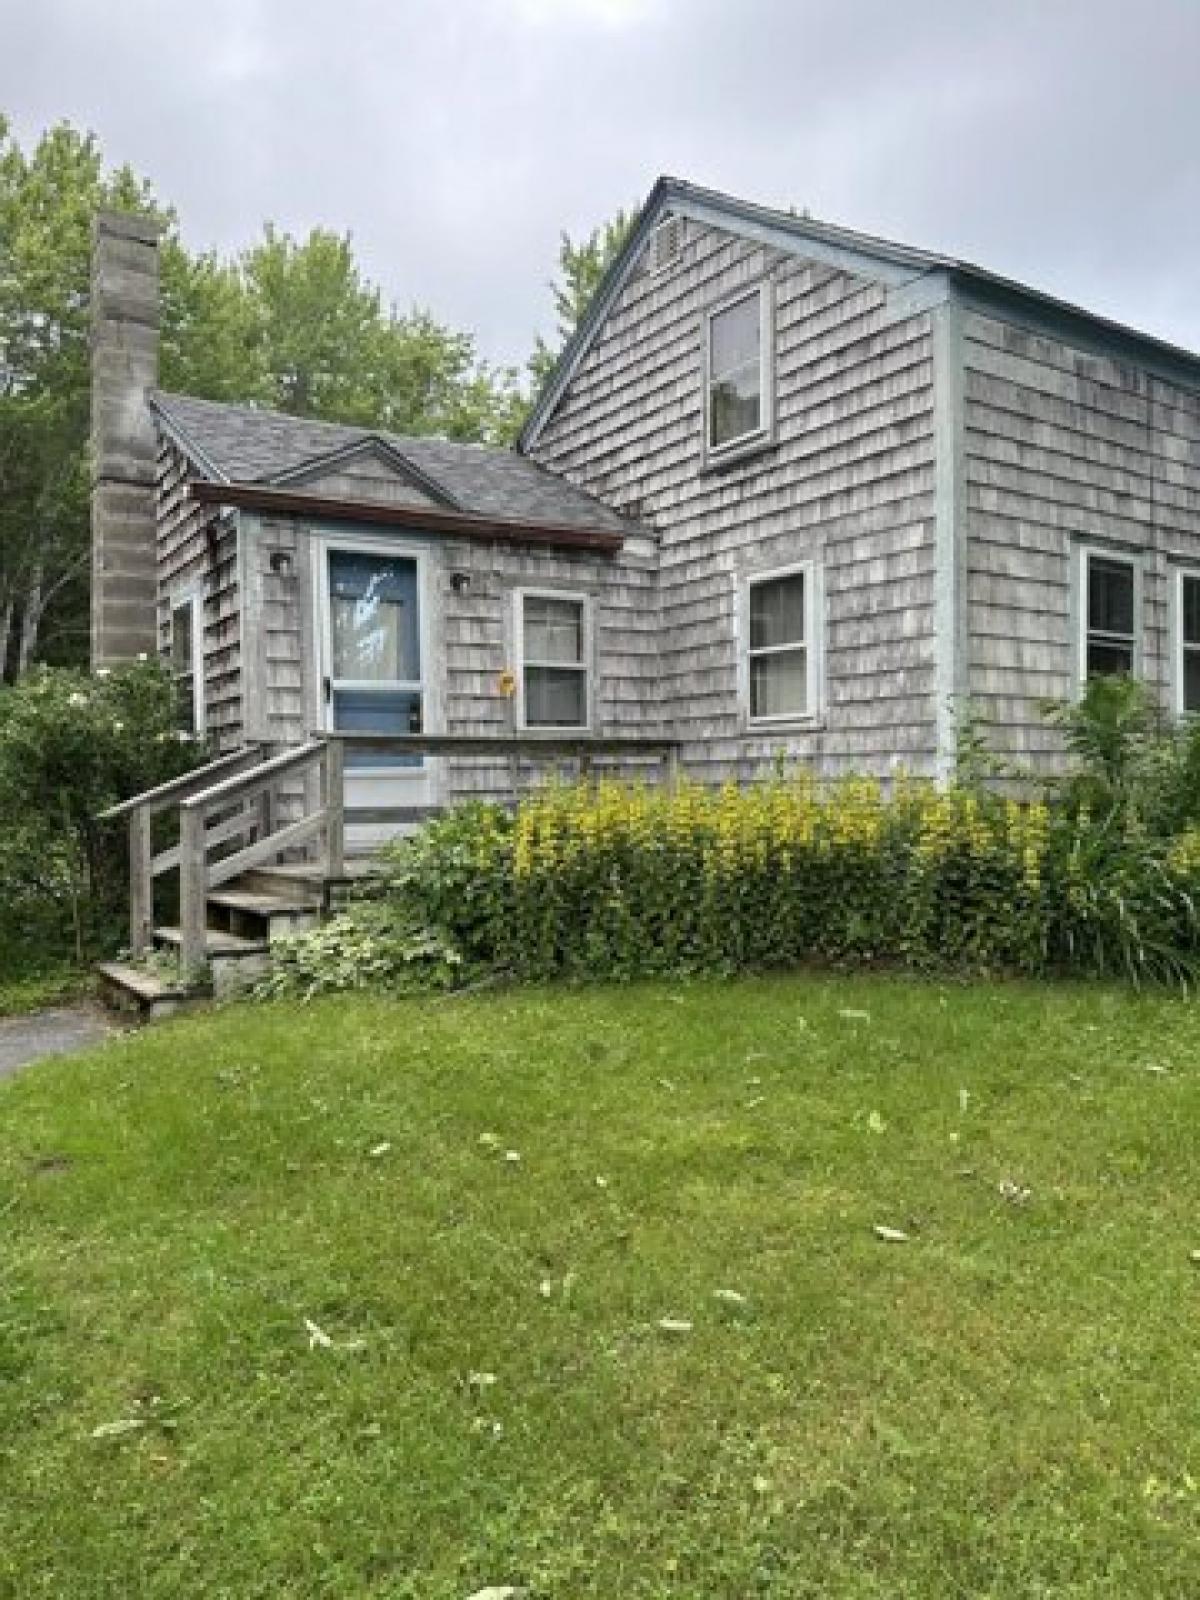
374,678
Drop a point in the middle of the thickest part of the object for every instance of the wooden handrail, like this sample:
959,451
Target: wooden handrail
583,747
540,744
197,875
166,794
246,784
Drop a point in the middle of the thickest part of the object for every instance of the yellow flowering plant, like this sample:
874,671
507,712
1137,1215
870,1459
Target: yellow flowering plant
619,880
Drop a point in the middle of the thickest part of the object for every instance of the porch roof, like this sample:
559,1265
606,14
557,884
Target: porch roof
426,519
242,445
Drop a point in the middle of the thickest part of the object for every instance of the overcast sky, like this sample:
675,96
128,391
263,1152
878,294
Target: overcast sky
1057,141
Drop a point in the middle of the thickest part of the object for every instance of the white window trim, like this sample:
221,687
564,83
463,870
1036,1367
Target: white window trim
585,664
1179,647
814,645
765,432
193,601
1085,554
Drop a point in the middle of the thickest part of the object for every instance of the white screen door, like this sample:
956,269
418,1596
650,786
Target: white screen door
374,681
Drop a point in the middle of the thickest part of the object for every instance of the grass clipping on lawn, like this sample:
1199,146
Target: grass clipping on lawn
804,1287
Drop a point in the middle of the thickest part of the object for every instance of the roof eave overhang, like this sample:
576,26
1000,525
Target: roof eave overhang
424,519
1039,313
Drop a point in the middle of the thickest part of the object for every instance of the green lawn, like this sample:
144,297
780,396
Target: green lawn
1004,1405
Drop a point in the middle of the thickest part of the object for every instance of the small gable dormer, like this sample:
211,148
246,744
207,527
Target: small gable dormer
369,469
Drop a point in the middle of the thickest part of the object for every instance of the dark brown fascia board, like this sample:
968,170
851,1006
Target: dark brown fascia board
464,524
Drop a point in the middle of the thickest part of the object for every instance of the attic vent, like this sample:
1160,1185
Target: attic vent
665,243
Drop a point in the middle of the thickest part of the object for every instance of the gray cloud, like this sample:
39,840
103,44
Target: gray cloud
1053,140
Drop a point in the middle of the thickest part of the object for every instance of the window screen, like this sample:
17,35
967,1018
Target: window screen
735,375
553,660
779,647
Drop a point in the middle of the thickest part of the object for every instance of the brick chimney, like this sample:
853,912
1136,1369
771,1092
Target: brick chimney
125,315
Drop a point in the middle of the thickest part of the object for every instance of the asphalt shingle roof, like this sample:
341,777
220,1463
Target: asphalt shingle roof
242,444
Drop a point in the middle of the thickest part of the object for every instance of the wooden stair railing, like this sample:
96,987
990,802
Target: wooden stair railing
218,804
141,810
199,871
540,747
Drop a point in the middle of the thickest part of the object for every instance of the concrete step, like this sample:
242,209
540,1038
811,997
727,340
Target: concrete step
143,994
234,962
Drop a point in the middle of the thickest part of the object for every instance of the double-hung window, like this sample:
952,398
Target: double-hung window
1109,608
1187,664
781,647
187,659
738,372
553,630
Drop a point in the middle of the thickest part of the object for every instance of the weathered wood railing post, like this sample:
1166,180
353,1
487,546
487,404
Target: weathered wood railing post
333,769
671,763
193,892
141,881
266,812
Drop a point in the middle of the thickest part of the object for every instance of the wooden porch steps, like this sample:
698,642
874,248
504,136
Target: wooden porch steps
237,817
283,877
144,994
218,945
257,903
244,919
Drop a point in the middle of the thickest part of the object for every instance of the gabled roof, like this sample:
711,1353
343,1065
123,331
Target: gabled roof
898,265
243,445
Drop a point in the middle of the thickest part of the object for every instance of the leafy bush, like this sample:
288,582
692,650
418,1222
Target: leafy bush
434,920
1128,763
71,745
373,945
618,881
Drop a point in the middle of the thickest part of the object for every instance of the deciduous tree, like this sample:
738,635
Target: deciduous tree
290,323
581,266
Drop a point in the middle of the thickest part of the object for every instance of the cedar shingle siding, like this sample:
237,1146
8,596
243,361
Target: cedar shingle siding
848,484
1065,447
943,444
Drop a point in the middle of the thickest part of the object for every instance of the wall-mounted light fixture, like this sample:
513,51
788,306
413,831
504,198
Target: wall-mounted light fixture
460,582
281,563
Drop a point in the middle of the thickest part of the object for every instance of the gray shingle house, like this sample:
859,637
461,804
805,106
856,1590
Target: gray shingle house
790,488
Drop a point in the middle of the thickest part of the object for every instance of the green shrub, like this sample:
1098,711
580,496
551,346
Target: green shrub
71,745
1129,763
618,882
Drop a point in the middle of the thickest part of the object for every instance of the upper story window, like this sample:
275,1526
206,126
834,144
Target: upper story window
553,630
1109,611
781,645
187,663
1187,633
738,401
